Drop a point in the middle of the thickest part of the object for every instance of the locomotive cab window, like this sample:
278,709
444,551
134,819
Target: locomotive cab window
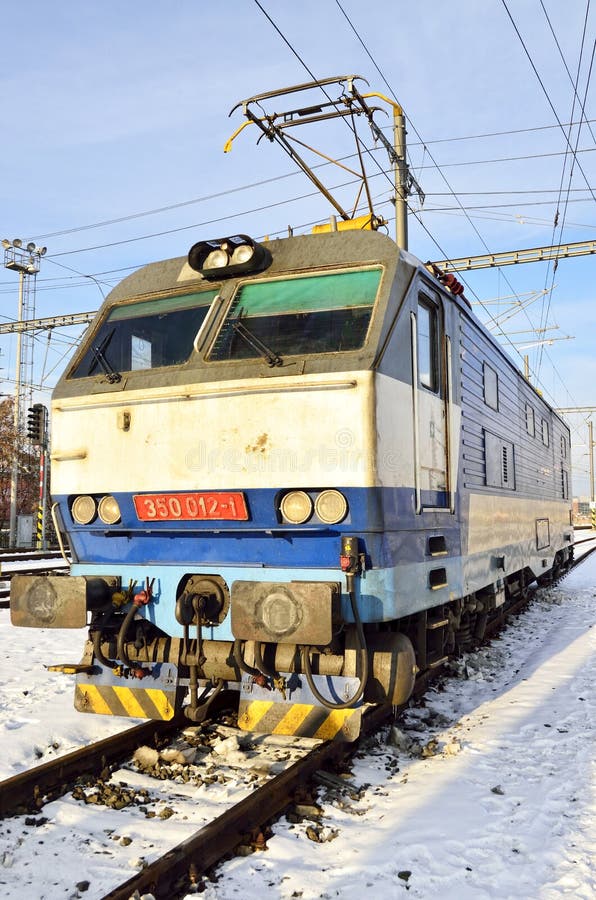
145,335
428,355
323,313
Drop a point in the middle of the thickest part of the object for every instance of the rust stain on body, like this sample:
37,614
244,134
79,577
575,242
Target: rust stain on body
260,445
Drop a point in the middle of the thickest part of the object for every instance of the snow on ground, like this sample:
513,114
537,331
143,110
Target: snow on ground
502,807
486,790
37,717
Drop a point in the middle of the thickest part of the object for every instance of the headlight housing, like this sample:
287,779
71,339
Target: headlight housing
229,256
331,507
83,509
108,510
296,507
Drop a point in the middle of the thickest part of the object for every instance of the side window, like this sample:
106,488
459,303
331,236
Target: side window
500,462
530,421
491,387
428,356
563,446
545,433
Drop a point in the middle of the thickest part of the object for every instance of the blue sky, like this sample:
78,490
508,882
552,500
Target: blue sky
112,109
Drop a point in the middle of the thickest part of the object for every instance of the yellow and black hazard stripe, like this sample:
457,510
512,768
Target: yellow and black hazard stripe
302,719
39,528
112,700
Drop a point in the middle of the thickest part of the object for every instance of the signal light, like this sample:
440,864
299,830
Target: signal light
226,257
36,424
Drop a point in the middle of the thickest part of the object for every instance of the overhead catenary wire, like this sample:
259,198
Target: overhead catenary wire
584,119
253,210
547,301
438,168
287,175
555,370
423,226
161,233
544,90
563,218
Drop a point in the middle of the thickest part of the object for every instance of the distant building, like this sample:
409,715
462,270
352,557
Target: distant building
581,510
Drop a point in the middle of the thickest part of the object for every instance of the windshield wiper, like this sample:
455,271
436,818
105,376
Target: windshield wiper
270,357
99,354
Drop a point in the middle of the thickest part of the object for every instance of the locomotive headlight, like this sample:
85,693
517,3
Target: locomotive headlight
331,507
108,510
217,259
83,509
296,507
242,254
229,256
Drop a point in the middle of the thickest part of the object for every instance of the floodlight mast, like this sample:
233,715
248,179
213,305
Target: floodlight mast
25,261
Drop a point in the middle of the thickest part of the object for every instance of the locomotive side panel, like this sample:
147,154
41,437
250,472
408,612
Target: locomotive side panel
511,484
418,436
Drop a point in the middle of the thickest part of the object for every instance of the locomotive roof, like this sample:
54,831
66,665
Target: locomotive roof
293,254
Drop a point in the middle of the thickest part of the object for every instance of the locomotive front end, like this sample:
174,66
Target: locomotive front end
214,472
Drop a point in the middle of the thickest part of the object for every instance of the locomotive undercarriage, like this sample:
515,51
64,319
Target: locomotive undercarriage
131,667
397,651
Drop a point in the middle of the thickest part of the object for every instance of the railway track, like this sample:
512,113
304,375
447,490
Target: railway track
27,555
241,824
22,564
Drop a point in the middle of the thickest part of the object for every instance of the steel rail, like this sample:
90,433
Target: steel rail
26,791
170,875
27,555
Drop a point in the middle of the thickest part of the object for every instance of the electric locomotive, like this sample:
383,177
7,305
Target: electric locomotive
299,469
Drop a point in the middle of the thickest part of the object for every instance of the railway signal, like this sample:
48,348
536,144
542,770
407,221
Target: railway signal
36,424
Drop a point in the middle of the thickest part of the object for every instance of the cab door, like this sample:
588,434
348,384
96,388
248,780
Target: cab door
430,387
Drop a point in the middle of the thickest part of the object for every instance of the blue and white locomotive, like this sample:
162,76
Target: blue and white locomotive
301,470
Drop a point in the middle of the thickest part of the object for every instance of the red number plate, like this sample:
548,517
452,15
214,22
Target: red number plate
201,505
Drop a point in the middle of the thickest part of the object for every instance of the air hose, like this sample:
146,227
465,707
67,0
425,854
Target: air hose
363,657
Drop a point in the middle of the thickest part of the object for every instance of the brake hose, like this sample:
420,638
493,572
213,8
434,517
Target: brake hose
363,656
96,638
239,659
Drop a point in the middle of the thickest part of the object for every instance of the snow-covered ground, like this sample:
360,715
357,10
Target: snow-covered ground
484,791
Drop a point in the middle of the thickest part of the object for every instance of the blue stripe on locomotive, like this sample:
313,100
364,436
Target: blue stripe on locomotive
374,515
391,536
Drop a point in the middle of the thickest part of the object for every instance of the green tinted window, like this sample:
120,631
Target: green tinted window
312,314
161,307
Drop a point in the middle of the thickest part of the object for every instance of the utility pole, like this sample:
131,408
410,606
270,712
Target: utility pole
25,261
401,178
591,456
